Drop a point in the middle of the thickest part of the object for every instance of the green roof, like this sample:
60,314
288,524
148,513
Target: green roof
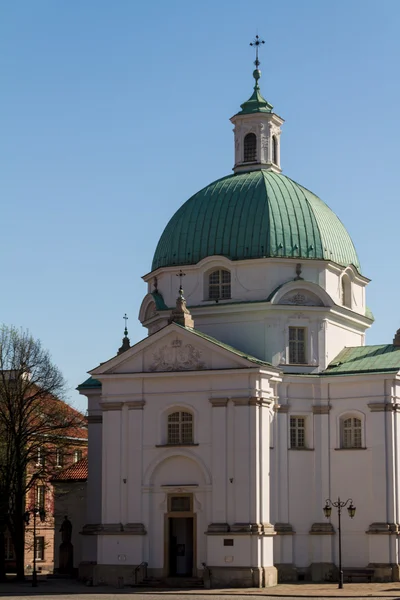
213,340
256,103
159,301
254,215
90,383
365,359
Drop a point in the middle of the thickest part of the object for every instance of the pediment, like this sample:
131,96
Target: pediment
173,349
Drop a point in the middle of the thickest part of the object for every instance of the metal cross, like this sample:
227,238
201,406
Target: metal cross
256,42
180,275
125,317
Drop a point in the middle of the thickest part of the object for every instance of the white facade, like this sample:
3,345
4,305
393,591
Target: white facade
206,461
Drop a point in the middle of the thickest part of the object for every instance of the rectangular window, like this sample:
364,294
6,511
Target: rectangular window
39,548
40,457
77,455
40,497
351,433
59,458
297,345
297,432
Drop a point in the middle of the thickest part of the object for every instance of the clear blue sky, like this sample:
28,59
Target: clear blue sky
113,113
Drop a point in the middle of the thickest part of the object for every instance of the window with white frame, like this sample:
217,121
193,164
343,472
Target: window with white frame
250,147
297,432
351,432
40,457
180,428
77,455
297,345
219,285
59,458
39,548
40,497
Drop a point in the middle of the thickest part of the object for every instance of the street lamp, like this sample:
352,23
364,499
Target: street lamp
42,515
351,509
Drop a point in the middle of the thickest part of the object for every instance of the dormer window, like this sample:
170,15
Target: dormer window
219,285
274,150
250,148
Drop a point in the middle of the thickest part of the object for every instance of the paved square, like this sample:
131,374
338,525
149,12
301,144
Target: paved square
72,590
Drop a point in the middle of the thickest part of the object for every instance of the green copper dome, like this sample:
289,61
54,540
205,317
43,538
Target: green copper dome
254,215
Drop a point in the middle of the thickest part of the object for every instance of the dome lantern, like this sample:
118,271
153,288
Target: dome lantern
257,130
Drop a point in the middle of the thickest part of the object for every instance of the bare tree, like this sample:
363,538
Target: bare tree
33,419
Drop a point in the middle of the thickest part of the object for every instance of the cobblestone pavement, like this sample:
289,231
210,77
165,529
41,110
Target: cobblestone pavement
71,590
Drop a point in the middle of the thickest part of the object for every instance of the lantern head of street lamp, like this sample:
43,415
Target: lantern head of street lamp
351,510
327,510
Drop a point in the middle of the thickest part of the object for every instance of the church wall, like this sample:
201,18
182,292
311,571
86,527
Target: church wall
325,470
255,280
338,336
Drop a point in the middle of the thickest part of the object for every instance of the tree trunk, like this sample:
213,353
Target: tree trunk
17,530
19,549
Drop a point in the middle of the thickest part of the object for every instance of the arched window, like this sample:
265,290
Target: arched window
351,432
274,150
180,428
346,291
250,147
219,285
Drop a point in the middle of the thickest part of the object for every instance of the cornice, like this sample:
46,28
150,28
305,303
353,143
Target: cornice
219,402
321,409
106,406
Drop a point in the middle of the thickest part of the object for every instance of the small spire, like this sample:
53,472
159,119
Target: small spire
396,339
126,344
256,103
181,314
257,73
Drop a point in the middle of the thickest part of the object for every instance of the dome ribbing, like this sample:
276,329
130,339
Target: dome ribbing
254,215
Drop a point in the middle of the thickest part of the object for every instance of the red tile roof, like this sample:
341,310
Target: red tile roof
76,472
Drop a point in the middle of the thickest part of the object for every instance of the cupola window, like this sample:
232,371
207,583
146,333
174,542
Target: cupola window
346,291
219,285
250,147
274,150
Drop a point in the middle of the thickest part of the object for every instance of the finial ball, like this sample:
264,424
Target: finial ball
256,74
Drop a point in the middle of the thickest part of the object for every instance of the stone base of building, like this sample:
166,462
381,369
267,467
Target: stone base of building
239,577
85,571
114,575
384,572
287,573
323,572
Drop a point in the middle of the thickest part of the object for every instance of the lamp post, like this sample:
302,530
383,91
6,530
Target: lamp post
351,509
35,511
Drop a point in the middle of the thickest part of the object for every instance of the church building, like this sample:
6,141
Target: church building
215,442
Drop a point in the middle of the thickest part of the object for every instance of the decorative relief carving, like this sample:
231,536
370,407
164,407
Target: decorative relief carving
301,299
175,357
